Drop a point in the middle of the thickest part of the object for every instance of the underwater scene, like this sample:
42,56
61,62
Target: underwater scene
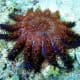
39,39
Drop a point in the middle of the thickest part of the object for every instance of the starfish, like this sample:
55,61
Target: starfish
41,35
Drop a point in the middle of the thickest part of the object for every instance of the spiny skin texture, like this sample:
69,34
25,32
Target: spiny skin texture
41,35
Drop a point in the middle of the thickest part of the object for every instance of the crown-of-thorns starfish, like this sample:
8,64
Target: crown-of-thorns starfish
41,35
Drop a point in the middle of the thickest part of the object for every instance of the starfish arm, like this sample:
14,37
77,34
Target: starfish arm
17,34
13,35
47,13
65,24
55,16
37,56
68,37
70,24
71,39
27,55
4,36
27,60
60,49
49,51
16,17
64,38
72,34
56,40
8,37
17,48
7,27
17,26
11,28
37,12
68,61
28,50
